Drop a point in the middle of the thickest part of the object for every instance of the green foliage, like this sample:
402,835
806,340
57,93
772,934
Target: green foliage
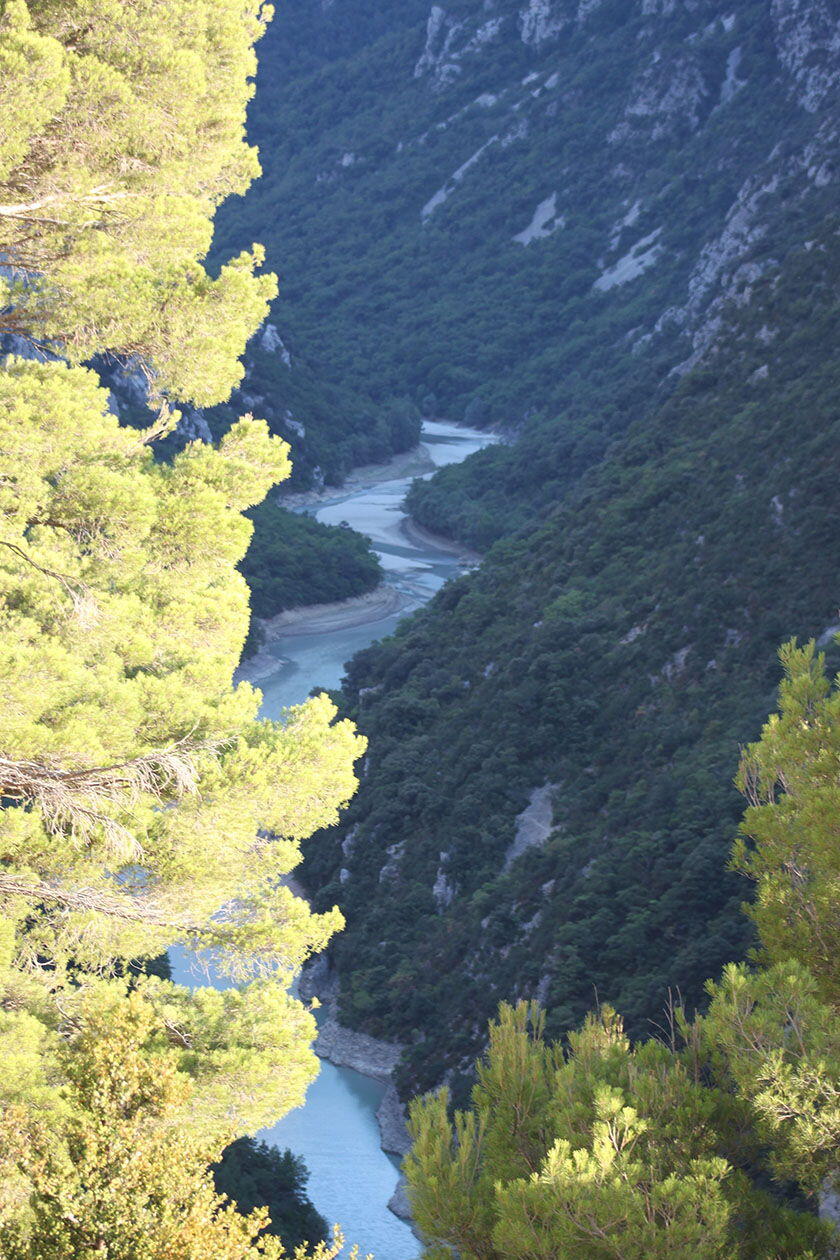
124,619
114,1168
624,649
254,1175
789,833
144,801
690,1147
110,178
781,1050
607,1151
293,559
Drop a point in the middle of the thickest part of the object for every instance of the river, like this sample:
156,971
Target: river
336,1132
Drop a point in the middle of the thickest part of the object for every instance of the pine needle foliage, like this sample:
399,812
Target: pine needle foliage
721,1138
145,802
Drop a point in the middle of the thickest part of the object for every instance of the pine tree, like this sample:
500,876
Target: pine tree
144,801
123,129
689,1148
115,1168
789,844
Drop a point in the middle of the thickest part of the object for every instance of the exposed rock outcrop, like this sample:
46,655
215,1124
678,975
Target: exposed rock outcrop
534,824
808,44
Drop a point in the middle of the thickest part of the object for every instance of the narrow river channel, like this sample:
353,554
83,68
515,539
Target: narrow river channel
336,1132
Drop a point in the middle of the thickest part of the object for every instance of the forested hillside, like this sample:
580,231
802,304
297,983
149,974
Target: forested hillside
527,210
608,228
616,655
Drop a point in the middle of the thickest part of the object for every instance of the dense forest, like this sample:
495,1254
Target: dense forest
585,883
619,652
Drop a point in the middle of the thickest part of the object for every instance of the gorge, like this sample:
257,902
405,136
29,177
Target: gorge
513,736
336,1132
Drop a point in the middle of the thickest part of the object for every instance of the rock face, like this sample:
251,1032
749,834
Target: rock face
663,100
346,1048
808,44
541,20
270,341
533,825
448,43
193,427
343,1046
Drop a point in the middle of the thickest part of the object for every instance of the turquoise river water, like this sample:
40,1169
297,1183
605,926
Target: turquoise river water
351,1178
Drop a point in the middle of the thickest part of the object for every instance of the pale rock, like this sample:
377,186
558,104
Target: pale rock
829,1201
518,131
545,220
251,401
296,426
534,824
391,868
443,890
828,635
675,664
447,43
440,33
392,1127
540,20
663,102
642,256
745,226
130,382
193,427
732,84
808,46
629,220
399,1202
632,635
25,348
272,343
443,194
778,510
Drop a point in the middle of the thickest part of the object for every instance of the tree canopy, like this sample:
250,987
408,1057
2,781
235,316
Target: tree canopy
717,1138
144,800
123,130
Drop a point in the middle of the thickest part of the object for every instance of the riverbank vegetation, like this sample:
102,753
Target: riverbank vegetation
619,653
136,779
254,1175
294,560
